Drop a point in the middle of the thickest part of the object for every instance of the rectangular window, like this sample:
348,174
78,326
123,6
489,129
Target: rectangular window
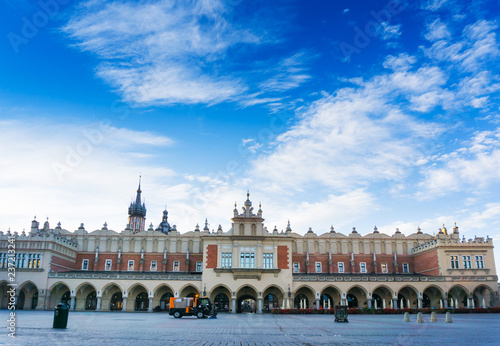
130,265
227,260
454,262
406,268
467,263
247,258
198,266
384,267
176,266
296,267
153,266
341,267
85,264
267,260
37,264
479,262
362,267
318,267
3,260
107,266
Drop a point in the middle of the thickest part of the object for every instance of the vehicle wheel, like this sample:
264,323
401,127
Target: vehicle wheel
177,314
200,314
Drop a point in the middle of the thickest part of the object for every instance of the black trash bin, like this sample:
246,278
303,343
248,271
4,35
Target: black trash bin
61,313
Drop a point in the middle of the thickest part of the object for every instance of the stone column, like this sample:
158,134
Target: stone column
150,307
124,309
369,303
259,305
394,303
72,303
419,302
42,301
98,307
317,303
233,304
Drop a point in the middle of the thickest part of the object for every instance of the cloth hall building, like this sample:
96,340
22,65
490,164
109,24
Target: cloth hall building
247,268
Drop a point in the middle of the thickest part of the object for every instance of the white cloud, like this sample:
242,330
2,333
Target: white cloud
433,5
390,32
476,46
475,167
437,31
161,52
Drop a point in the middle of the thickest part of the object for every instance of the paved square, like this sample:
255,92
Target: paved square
97,328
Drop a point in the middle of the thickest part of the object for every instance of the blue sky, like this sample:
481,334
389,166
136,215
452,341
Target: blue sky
343,113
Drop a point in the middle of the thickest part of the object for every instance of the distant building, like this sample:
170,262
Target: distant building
246,268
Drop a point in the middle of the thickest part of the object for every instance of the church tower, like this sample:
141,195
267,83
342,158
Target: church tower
137,212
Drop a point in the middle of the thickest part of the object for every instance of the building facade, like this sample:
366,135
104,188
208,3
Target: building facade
247,268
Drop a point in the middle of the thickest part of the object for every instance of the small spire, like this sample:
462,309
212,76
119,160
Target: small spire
332,230
354,230
248,195
206,226
375,229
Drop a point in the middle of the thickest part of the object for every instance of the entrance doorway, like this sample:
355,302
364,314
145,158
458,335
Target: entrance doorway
116,302
141,302
246,304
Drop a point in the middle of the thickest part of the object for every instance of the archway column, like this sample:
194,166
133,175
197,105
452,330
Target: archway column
124,300
369,300
150,306
317,303
259,305
419,300
73,301
42,301
99,299
233,305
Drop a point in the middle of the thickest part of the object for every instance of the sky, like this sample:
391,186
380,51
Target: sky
331,113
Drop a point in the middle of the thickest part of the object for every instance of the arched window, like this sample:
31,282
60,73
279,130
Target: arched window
221,302
66,298
116,302
301,301
141,302
91,301
270,303
254,229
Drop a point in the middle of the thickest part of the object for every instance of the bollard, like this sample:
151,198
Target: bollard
433,317
420,318
448,318
407,317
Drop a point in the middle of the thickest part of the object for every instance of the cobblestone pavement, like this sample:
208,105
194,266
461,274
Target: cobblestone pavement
97,328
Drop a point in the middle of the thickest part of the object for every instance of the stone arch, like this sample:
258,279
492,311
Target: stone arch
339,247
383,247
357,297
405,248
254,229
483,296
27,293
361,247
86,296
220,295
246,297
372,247
109,301
59,293
188,290
304,296
432,294
273,298
161,296
460,296
242,229
178,246
155,245
108,244
330,296
382,297
407,297
137,297
132,245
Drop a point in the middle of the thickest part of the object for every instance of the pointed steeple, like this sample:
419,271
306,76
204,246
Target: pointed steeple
137,212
